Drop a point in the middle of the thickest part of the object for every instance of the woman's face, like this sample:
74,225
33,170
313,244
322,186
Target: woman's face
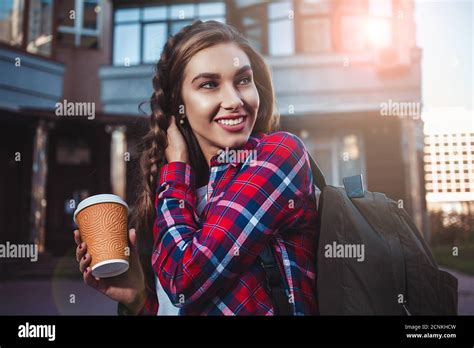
218,84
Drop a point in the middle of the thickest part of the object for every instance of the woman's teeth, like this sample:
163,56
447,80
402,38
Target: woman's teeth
231,122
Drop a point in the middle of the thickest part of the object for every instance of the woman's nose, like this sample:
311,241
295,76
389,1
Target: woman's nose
231,98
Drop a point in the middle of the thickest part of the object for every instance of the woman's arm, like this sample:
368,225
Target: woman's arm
193,261
146,304
128,289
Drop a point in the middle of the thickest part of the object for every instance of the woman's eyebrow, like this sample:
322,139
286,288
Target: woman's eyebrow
216,76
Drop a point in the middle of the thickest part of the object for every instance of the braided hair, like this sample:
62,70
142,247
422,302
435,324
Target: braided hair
166,101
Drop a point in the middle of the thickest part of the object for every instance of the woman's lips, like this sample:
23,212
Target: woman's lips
236,127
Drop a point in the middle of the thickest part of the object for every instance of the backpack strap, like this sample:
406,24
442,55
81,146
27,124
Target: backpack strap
318,175
393,239
275,283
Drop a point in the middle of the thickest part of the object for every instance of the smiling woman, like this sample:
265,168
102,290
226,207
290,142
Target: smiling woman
221,106
203,219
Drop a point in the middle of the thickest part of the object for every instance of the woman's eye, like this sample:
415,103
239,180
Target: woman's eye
246,80
206,84
212,84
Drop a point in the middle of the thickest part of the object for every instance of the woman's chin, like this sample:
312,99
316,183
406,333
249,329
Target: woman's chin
234,141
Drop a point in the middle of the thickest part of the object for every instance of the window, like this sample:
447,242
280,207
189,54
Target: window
154,36
38,16
285,27
338,157
280,29
40,26
79,23
252,24
141,32
350,157
269,26
314,21
127,44
11,22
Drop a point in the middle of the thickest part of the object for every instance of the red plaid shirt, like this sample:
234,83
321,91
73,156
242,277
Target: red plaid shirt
208,264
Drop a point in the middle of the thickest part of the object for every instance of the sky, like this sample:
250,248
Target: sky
445,33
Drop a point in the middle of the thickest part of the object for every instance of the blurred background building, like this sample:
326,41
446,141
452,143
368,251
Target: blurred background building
449,169
346,73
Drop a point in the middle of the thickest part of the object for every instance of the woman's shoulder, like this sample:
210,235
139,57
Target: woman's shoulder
286,153
281,140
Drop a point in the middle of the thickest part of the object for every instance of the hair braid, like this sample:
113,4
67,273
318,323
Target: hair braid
152,158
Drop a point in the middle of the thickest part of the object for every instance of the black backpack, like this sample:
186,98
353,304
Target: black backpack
371,258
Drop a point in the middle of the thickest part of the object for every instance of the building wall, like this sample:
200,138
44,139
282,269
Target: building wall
385,169
78,159
16,144
381,149
28,80
383,157
81,80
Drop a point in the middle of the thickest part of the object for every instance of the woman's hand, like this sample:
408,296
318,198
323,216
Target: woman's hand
127,288
177,150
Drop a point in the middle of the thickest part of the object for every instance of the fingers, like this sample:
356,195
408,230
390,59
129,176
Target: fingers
89,279
82,257
85,262
77,237
81,251
132,237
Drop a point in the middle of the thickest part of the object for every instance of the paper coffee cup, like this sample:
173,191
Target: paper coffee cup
103,225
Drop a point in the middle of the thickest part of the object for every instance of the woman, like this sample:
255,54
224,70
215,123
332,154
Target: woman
255,183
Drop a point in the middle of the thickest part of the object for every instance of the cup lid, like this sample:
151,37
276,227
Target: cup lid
102,198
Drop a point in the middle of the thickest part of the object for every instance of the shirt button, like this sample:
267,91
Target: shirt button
213,185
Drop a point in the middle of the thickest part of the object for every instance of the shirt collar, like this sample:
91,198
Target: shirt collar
235,160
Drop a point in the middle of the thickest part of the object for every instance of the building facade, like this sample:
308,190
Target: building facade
449,171
346,75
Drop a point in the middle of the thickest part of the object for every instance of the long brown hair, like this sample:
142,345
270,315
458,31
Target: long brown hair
166,101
